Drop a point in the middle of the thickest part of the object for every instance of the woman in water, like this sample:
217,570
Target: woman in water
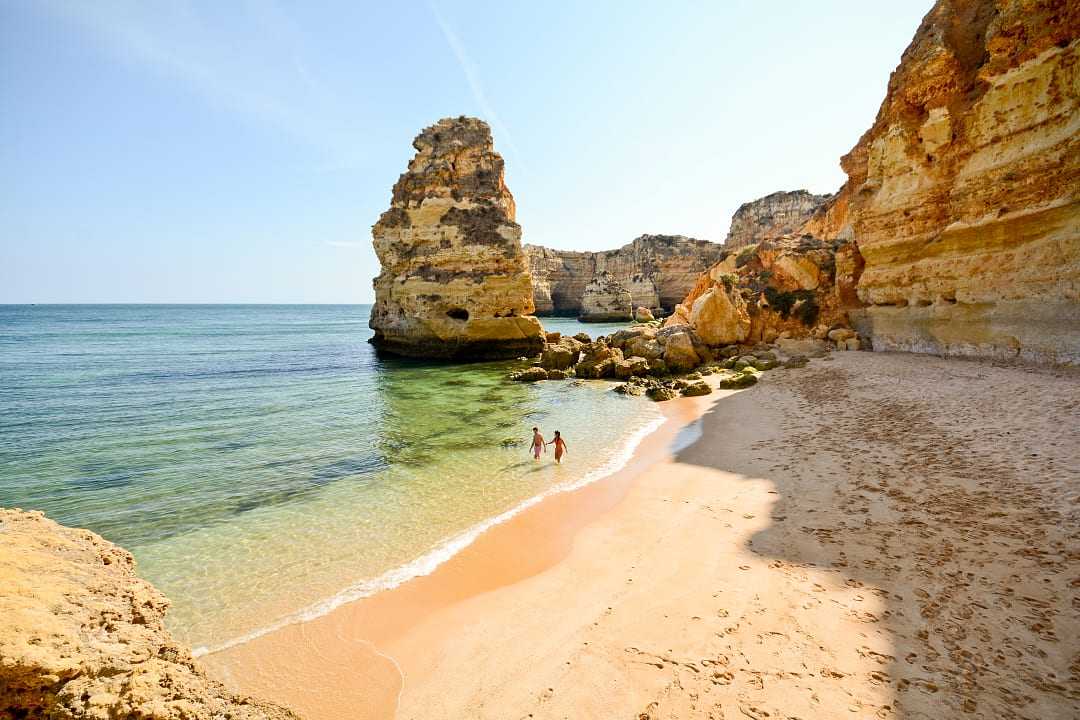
560,447
538,443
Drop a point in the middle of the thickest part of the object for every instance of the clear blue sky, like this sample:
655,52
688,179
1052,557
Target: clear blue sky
240,151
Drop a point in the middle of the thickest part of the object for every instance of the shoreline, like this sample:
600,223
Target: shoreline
446,550
241,662
835,540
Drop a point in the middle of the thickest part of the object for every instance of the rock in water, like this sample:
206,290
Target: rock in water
454,280
605,300
83,636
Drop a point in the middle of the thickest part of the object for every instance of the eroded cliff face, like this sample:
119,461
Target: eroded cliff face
606,300
962,197
454,280
767,218
793,286
83,637
658,270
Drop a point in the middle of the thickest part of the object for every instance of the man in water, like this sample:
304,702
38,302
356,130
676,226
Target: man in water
560,447
538,444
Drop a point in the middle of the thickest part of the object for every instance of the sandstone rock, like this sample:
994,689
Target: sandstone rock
679,351
605,300
719,317
630,367
598,361
851,344
657,367
697,389
583,338
657,270
643,314
796,361
454,280
557,374
839,335
737,381
552,337
660,394
807,346
532,374
82,636
963,195
630,389
557,357
780,213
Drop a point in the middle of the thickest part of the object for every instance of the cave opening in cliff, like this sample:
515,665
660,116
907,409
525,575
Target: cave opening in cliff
458,314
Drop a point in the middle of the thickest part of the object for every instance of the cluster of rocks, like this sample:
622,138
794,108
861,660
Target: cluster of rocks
662,362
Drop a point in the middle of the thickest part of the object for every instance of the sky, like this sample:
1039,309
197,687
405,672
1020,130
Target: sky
241,151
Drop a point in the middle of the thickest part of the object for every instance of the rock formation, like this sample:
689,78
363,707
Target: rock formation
605,300
658,270
83,637
963,196
958,229
454,280
793,286
780,213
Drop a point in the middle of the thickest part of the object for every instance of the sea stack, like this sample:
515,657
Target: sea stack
454,281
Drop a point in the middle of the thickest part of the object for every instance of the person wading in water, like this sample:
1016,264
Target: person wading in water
538,443
560,447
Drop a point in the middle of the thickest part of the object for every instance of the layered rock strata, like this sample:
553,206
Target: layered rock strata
606,300
772,216
454,280
83,637
658,270
963,196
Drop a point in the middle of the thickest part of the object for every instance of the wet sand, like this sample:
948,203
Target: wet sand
875,535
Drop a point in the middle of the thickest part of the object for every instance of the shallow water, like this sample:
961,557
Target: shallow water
263,461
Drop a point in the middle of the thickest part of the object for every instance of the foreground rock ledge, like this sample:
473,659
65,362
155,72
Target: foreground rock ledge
454,280
82,636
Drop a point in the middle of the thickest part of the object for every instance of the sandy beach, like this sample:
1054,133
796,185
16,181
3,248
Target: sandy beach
872,536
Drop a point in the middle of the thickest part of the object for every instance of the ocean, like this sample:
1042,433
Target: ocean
264,465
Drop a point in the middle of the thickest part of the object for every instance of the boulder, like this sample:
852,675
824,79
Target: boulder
630,367
643,314
532,374
557,374
557,357
805,346
720,317
796,361
680,352
598,361
630,389
660,393
657,367
583,337
737,381
552,337
839,335
696,389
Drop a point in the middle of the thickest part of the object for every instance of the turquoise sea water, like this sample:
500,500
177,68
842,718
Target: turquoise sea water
263,464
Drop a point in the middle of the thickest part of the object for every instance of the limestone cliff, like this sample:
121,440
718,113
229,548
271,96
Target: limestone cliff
780,213
963,196
658,270
605,300
454,280
83,637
